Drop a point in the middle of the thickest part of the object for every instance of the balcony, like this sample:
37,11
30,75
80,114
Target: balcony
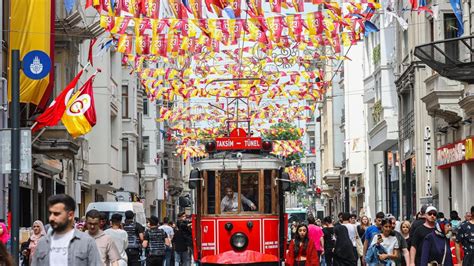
377,112
384,134
442,98
332,178
467,104
56,143
452,58
75,23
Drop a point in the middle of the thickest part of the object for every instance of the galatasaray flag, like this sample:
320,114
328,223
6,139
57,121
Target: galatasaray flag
79,117
52,115
30,23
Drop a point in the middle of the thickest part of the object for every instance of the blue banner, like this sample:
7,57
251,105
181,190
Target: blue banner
456,5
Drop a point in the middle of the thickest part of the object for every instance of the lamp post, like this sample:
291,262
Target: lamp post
15,160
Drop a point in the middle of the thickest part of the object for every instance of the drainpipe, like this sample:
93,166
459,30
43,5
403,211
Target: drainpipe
466,14
4,124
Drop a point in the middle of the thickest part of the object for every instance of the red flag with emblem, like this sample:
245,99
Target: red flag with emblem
52,115
80,116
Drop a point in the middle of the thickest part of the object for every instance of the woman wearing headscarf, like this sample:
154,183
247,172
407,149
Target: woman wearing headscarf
38,233
436,247
4,235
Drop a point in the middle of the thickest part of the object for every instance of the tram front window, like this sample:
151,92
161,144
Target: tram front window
230,192
230,201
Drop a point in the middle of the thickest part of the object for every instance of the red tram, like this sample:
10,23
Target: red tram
240,213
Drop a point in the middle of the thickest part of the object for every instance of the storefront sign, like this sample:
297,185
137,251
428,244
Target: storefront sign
427,139
455,154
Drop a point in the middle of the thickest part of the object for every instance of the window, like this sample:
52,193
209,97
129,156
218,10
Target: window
211,192
451,31
146,149
125,113
239,192
145,105
267,191
249,190
125,155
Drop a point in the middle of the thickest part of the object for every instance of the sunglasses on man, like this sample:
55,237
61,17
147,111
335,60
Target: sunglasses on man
432,213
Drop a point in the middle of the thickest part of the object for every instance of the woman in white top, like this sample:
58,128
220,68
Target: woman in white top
387,240
120,237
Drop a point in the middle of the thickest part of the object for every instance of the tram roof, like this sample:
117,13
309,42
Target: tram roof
229,161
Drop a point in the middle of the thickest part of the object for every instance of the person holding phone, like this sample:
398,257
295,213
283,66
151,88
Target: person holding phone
389,242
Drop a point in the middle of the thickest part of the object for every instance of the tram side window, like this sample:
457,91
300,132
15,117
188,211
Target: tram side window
211,192
229,192
267,196
249,188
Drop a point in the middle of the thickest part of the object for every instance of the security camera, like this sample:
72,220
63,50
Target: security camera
239,155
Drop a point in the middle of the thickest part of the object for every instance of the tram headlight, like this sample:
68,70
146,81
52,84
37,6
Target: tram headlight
239,241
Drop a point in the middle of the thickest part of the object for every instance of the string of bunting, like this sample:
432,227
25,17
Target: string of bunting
186,36
296,174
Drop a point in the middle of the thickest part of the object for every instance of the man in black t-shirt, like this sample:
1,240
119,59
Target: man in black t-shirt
135,232
419,221
329,240
154,243
420,233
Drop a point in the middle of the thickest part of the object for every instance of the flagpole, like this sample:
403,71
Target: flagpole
88,64
33,125
39,134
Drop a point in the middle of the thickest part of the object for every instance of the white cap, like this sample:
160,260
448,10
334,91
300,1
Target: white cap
431,208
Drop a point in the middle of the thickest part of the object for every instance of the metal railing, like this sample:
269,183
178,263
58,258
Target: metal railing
407,125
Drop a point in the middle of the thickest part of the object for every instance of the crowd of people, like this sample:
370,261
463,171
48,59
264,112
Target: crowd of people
431,239
96,240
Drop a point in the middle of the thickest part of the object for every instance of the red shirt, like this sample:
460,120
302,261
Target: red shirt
452,245
312,258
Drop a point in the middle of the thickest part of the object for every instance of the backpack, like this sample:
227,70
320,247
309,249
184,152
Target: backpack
156,242
133,238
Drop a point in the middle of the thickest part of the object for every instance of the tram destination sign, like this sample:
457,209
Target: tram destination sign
247,143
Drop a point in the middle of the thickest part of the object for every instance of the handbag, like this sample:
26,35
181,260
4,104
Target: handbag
359,246
435,263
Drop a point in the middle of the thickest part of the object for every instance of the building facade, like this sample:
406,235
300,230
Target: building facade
332,145
355,149
449,102
380,97
413,119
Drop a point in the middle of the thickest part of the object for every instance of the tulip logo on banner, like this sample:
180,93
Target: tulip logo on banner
80,115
